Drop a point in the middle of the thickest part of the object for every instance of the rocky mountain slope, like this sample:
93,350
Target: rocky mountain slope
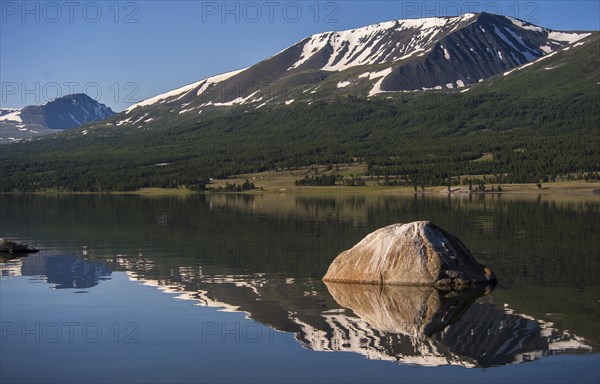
396,56
63,113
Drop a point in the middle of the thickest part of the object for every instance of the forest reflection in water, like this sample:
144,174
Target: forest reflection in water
265,255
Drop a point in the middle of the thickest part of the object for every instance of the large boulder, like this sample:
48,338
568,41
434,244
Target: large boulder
418,253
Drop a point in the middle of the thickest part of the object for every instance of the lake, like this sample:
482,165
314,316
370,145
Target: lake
227,288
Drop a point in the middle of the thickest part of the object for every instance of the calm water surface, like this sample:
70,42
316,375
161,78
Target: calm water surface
227,288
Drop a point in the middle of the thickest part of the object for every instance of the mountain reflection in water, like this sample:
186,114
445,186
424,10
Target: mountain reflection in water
409,325
62,269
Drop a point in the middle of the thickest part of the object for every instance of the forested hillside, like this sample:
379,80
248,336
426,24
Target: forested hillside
535,123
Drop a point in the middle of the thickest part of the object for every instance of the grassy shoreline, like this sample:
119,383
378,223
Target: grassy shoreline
551,188
283,182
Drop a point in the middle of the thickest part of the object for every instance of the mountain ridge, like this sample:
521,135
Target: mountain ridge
395,56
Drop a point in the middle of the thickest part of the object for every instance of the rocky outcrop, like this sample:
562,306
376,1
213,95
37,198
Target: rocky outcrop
10,247
418,253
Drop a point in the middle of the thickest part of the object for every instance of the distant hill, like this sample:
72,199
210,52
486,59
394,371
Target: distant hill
63,113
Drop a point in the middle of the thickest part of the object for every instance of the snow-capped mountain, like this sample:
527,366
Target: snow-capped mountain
65,112
397,56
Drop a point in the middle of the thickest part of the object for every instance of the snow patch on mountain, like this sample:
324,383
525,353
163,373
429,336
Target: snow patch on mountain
181,92
532,63
446,54
377,87
567,37
524,25
217,79
237,101
524,50
368,45
519,39
6,111
186,89
14,116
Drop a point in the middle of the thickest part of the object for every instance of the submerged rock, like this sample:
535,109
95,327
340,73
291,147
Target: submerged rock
418,253
11,247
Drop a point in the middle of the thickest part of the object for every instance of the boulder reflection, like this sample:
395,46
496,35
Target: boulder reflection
410,310
424,326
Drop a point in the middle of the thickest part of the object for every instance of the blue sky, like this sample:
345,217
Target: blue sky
120,52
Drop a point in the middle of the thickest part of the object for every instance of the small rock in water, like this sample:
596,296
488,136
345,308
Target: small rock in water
418,253
11,247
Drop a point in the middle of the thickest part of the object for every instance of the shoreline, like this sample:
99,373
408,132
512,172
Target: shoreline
573,188
284,182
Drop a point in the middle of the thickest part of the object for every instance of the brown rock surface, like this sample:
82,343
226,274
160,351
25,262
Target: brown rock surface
418,253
